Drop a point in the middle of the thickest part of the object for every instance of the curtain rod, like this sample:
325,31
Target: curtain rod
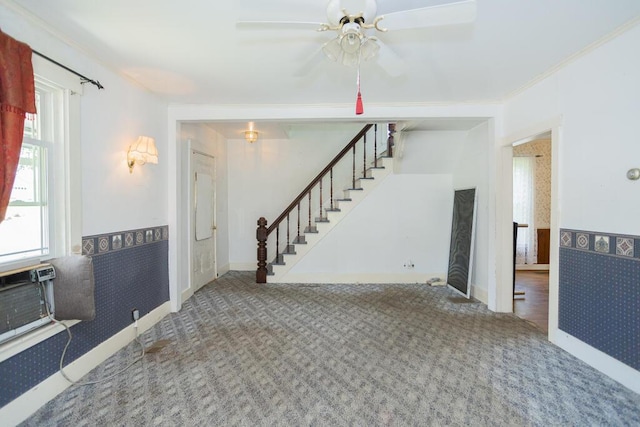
84,78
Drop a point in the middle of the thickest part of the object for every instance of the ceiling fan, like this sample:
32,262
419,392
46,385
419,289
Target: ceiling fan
353,43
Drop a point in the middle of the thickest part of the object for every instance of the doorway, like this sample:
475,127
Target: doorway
202,230
532,170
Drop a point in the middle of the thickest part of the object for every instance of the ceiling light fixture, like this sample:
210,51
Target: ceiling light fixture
251,135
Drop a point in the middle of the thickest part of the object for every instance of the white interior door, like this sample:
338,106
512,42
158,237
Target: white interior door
203,230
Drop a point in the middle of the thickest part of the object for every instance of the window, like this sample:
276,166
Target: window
42,219
523,208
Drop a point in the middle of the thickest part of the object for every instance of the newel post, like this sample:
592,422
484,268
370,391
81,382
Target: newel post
261,235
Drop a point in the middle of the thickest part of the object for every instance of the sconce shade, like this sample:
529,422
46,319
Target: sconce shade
142,151
251,135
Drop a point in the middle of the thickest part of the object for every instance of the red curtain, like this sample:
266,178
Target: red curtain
17,98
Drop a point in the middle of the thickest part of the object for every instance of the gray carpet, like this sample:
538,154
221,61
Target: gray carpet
335,355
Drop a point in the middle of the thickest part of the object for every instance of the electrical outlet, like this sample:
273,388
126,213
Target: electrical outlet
135,314
408,264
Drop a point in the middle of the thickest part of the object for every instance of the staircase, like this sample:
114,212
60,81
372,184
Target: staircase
367,169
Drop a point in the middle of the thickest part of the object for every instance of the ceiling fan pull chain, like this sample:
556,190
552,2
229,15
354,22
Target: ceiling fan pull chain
359,106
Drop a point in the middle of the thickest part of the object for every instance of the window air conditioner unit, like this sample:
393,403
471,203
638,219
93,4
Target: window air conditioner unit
26,299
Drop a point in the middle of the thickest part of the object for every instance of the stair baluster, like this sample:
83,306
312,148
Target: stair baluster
278,244
331,179
309,227
375,145
288,241
263,232
353,181
321,198
298,240
364,157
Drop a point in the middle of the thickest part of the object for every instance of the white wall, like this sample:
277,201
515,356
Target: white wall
472,170
111,120
428,152
598,98
264,177
592,106
406,218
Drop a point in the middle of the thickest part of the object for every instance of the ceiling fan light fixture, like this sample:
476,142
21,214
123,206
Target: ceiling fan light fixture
350,59
369,48
351,38
332,49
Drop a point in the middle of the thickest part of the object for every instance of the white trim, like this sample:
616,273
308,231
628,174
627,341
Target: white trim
357,278
226,268
504,192
29,402
187,293
243,266
623,373
532,267
479,293
572,58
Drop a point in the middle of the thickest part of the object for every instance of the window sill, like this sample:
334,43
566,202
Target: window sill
29,339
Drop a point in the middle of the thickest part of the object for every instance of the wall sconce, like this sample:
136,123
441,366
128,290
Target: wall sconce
251,135
142,151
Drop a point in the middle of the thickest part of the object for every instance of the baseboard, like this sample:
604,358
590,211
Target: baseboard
480,294
532,267
622,373
186,294
224,270
243,266
357,278
29,402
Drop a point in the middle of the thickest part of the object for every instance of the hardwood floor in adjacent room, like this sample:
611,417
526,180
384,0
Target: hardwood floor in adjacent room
534,304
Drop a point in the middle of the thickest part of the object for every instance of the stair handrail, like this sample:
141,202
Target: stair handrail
262,232
317,179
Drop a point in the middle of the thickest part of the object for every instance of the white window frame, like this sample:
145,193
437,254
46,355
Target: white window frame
64,163
66,168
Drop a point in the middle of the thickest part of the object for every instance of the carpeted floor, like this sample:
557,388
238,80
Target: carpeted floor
239,353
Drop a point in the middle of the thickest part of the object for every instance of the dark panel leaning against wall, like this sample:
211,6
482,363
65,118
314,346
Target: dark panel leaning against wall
131,271
600,291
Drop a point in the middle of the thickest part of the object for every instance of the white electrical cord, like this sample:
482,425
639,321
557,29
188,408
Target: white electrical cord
135,326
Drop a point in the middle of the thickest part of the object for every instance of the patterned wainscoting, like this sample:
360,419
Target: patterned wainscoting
103,243
600,292
131,271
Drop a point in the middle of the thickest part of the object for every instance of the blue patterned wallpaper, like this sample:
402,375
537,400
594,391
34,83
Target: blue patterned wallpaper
600,292
131,271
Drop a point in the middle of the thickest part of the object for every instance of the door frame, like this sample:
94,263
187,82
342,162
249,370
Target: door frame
504,247
190,290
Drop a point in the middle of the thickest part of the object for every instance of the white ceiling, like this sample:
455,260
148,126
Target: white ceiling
192,52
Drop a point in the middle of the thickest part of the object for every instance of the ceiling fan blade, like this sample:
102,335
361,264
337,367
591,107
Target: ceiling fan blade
277,25
446,14
313,61
390,62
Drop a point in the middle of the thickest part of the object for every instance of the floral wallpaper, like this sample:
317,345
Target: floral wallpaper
540,147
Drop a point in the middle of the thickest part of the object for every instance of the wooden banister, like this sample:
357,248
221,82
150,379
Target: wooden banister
263,232
313,183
